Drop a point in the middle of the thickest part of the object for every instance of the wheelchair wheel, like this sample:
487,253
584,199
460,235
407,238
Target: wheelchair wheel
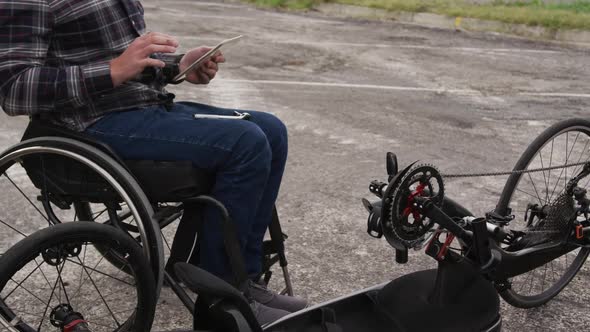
565,143
47,181
56,277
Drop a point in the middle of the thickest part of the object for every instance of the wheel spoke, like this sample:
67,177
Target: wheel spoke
105,296
14,229
565,144
166,242
38,315
27,198
99,214
48,304
21,282
580,167
527,193
568,154
100,294
43,274
30,293
567,136
535,187
544,178
528,274
102,273
61,282
83,270
550,163
118,312
558,178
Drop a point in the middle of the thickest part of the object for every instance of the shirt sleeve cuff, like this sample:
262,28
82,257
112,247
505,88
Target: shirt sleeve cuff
97,77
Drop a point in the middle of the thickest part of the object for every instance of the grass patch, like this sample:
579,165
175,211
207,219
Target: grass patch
575,15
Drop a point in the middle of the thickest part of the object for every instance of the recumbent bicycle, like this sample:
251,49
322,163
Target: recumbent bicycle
526,250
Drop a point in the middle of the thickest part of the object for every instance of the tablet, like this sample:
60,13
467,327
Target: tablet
205,57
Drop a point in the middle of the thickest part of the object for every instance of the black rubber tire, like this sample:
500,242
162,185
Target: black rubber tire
511,296
29,248
153,244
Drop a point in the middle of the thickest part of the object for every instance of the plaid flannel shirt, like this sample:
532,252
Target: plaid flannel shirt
54,59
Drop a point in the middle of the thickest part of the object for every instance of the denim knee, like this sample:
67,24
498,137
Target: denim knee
280,141
252,150
276,133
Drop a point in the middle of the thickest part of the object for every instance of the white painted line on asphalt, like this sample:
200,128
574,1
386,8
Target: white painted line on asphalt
555,94
424,47
183,13
468,92
479,49
195,3
356,86
406,46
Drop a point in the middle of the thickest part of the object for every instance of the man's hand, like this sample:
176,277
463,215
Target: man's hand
206,71
137,56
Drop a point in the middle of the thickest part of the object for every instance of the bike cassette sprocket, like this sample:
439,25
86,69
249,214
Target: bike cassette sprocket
406,223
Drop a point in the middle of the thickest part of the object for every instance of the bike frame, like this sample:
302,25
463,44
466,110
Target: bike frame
510,263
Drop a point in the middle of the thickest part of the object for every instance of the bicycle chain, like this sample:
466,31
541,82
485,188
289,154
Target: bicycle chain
533,170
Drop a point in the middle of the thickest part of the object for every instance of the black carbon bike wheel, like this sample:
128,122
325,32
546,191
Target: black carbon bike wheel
58,271
564,143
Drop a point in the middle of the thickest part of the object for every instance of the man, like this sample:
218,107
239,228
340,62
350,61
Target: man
77,63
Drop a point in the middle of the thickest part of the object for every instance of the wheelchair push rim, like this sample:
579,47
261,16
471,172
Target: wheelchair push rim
13,174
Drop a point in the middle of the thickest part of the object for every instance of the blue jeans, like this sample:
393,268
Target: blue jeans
247,157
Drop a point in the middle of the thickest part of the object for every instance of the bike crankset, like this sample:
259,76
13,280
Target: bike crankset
405,222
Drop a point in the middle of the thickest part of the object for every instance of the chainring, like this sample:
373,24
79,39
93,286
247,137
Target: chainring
406,223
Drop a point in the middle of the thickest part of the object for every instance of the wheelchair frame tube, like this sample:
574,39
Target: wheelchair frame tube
230,239
180,292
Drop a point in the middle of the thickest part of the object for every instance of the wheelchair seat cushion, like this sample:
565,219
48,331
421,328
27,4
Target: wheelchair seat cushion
170,181
162,181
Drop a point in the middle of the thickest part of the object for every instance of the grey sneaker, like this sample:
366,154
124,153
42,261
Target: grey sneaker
263,295
266,315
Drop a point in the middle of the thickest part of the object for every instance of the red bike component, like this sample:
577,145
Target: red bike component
579,232
410,208
437,249
78,325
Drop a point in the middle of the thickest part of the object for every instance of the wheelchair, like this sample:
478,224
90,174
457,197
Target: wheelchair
56,176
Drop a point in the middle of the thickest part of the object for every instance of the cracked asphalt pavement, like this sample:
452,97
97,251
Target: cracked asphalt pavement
351,90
